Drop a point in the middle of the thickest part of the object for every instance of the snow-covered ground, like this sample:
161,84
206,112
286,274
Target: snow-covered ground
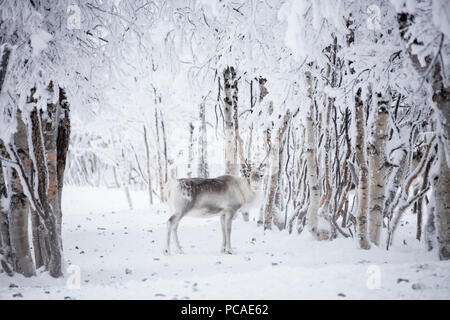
117,254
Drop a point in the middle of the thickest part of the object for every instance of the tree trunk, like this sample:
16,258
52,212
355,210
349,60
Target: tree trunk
5,54
39,151
50,133
119,178
52,232
442,212
314,190
266,177
160,167
35,231
430,227
275,171
127,188
166,160
419,203
190,150
230,148
363,196
202,145
149,176
36,177
377,171
5,243
19,206
266,137
441,98
250,134
62,145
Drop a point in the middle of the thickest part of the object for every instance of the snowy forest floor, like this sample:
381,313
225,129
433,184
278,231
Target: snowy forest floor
119,253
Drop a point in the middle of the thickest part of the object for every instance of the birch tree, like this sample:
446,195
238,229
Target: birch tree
229,82
202,145
429,65
377,167
314,190
363,192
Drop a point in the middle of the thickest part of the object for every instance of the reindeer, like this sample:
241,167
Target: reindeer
222,196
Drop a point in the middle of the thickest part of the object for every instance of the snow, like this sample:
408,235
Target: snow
39,41
440,12
119,255
441,16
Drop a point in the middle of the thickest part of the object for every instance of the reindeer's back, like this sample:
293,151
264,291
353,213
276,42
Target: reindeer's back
186,192
192,187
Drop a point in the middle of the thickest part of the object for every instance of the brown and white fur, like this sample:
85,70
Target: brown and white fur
222,196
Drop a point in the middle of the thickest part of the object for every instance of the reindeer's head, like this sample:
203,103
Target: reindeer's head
254,174
251,183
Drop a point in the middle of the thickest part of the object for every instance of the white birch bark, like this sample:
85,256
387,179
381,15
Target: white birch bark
190,150
363,190
149,176
314,190
202,145
230,147
275,172
441,98
159,158
377,168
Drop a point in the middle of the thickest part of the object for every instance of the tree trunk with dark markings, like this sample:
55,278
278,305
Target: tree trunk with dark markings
441,98
19,204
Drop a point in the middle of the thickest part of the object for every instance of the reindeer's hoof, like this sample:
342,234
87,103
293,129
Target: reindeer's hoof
228,251
166,252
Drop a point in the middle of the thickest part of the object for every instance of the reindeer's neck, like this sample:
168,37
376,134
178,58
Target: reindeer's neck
245,190
242,192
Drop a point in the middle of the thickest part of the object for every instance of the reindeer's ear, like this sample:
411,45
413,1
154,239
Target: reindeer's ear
245,172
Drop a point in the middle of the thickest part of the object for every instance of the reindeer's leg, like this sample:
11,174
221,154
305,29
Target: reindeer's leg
224,231
228,221
169,231
175,234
